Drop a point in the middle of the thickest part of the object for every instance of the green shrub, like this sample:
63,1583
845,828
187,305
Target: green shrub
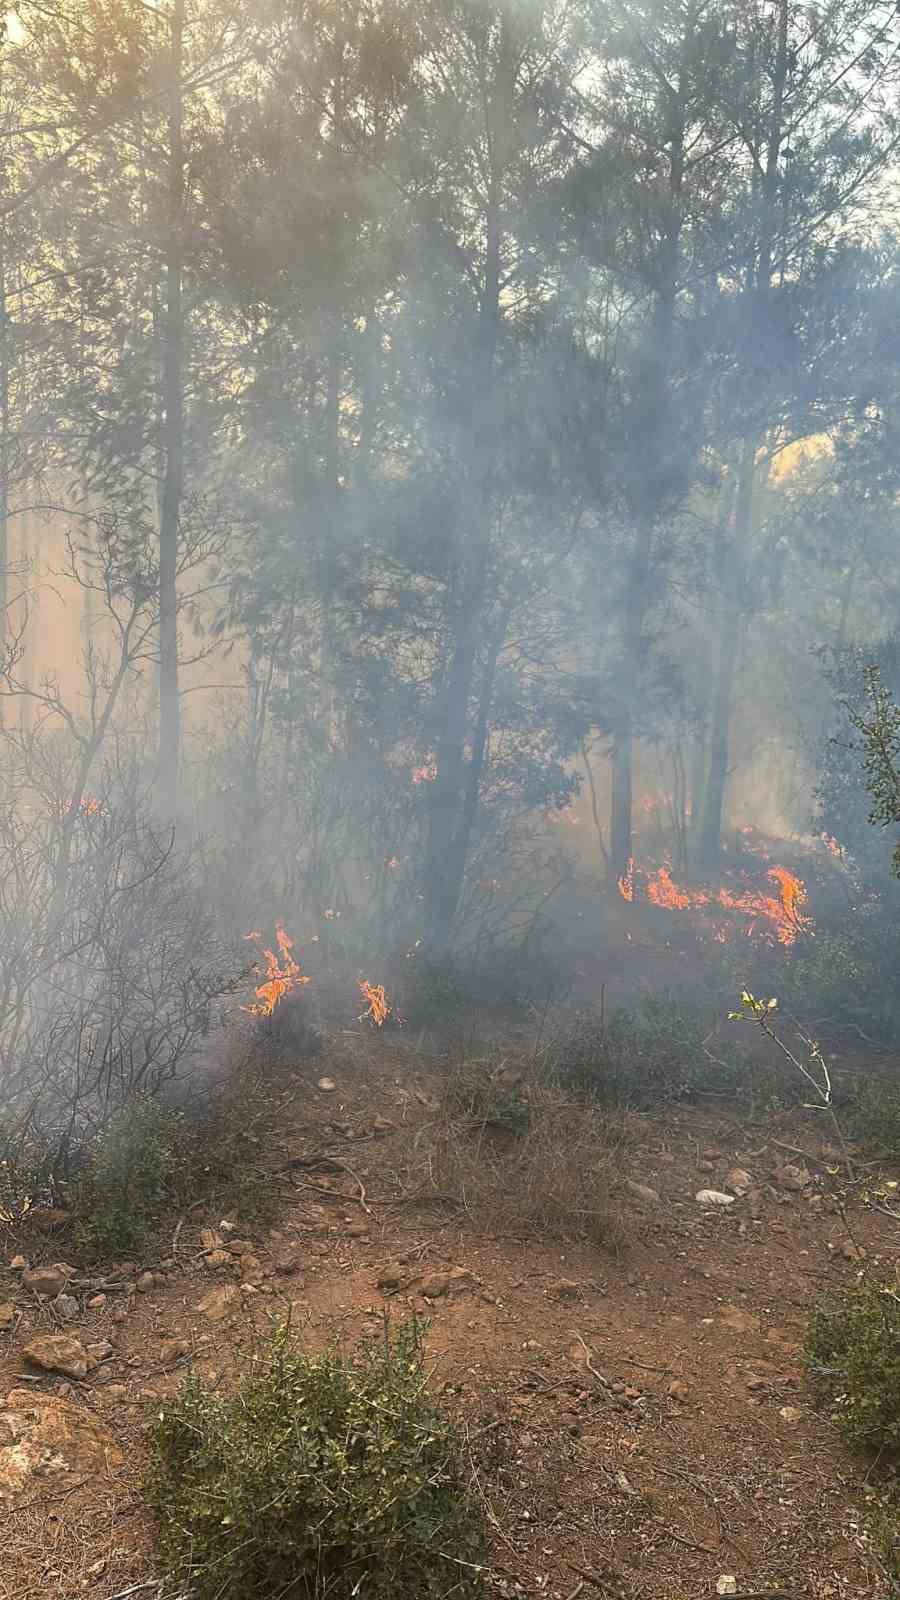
657,1052
321,1477
853,1355
153,1159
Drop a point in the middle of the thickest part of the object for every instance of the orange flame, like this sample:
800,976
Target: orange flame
425,774
830,843
626,882
89,806
282,974
378,1009
783,914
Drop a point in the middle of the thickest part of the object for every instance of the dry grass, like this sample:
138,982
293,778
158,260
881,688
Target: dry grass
520,1157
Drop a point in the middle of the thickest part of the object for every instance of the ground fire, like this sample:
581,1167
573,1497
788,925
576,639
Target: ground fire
280,976
378,1010
778,915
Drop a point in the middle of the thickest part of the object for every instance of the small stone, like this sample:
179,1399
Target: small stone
145,1283
97,1302
66,1307
713,1197
712,1153
115,1391
7,1316
18,1264
227,1227
357,1230
58,1352
566,1289
642,1191
172,1350
217,1305
739,1321
678,1390
438,1284
793,1178
755,1382
46,1281
391,1278
726,1584
44,1438
791,1415
382,1125
217,1259
120,1314
251,1269
739,1181
327,1085
98,1353
210,1239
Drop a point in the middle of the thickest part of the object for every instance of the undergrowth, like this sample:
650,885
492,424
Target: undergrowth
658,1052
853,1357
323,1476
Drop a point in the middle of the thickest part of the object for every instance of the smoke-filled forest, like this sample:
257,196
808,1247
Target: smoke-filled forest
450,701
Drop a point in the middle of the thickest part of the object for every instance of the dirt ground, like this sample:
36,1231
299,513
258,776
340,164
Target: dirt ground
638,1423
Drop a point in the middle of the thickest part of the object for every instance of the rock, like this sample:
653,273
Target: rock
437,1284
241,1247
726,1584
42,1436
712,1153
98,1353
225,1226
115,1391
755,1382
713,1197
172,1350
382,1125
218,1258
642,1191
739,1321
678,1390
210,1239
217,1305
48,1218
47,1281
357,1230
288,1259
145,1282
391,1278
791,1415
18,1264
58,1352
252,1270
739,1181
66,1307
793,1178
7,1316
97,1302
566,1289
327,1085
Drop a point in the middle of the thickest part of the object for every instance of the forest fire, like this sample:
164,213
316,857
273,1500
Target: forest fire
778,915
282,974
378,1010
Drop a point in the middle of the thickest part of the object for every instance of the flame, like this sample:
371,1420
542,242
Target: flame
830,843
378,1009
424,774
782,914
626,882
392,863
282,974
89,806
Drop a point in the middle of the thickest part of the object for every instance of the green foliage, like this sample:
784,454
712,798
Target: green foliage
878,724
658,1052
322,1476
853,1355
154,1158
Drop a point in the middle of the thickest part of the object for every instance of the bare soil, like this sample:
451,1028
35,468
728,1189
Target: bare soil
638,1423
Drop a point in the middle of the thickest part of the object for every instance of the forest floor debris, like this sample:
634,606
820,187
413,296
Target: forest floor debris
670,1364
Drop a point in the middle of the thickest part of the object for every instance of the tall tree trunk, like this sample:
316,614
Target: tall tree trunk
172,434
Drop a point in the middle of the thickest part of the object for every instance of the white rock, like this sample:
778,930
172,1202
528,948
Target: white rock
713,1197
726,1584
327,1085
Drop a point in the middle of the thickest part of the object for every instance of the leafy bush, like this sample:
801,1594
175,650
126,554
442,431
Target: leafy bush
853,1354
322,1476
658,1052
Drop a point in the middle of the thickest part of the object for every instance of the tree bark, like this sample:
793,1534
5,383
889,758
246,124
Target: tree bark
172,434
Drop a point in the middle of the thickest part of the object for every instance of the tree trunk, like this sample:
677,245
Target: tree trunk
173,437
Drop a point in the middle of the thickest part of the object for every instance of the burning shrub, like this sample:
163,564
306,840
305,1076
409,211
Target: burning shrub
321,1477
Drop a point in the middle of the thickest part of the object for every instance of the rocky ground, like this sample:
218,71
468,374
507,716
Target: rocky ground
638,1424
